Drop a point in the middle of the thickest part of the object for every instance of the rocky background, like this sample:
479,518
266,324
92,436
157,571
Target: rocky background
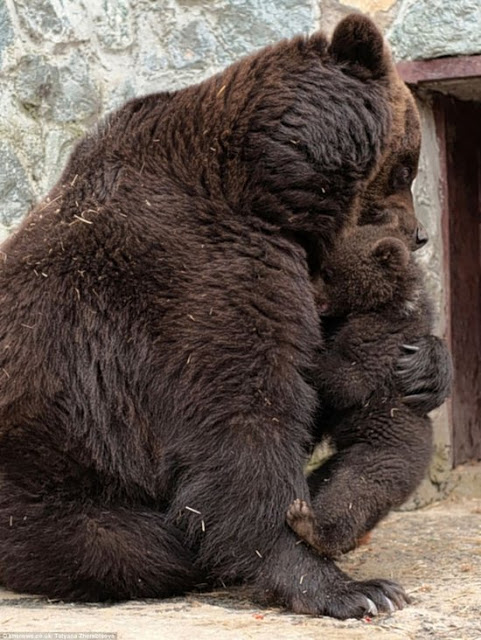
65,63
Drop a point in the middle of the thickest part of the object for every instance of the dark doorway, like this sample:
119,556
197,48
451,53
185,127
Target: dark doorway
459,129
453,87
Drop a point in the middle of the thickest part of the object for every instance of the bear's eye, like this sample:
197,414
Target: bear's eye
402,177
375,215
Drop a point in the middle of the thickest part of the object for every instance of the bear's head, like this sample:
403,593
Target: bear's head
368,269
307,135
346,149
386,198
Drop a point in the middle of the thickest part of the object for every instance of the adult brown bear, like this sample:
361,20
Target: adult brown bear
158,319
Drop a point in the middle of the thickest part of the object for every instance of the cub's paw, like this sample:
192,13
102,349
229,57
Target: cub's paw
424,374
301,519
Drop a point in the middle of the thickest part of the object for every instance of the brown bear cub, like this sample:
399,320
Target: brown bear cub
372,299
157,323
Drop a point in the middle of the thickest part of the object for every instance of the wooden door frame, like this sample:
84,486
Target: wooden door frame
418,72
437,78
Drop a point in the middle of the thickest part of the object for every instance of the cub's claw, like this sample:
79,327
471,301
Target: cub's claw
410,348
424,374
301,520
298,509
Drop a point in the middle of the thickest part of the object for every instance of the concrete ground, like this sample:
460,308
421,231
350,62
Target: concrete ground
434,552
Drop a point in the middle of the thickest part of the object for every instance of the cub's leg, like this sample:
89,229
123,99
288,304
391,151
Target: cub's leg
382,455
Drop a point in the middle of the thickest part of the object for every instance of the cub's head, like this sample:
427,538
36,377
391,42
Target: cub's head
368,269
386,198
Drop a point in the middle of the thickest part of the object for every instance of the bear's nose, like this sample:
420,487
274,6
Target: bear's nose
421,237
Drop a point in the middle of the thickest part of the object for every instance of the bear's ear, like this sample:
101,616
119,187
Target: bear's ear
358,43
391,252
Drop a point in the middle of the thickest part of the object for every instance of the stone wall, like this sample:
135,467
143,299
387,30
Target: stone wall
417,29
64,63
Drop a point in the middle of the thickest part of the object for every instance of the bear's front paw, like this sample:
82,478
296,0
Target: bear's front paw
357,599
382,596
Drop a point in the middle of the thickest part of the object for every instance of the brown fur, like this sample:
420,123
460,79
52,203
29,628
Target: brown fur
374,299
157,322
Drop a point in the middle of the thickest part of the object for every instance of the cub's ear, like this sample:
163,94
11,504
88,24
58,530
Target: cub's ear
391,252
358,43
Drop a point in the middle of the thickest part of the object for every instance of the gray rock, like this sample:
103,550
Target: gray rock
6,30
16,194
246,25
153,62
37,85
119,95
63,94
40,19
58,145
113,23
192,45
79,97
428,207
433,28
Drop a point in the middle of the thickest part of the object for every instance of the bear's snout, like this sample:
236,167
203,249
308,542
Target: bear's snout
420,237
